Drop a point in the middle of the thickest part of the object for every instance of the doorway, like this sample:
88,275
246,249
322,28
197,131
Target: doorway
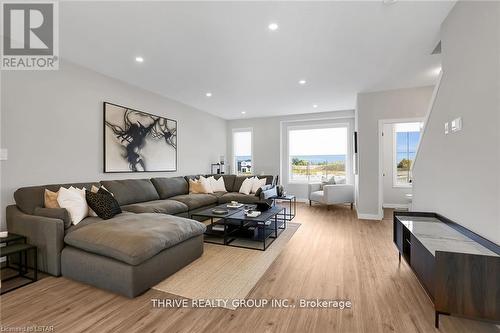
399,140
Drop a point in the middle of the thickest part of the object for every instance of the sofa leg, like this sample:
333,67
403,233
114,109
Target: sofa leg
310,203
352,205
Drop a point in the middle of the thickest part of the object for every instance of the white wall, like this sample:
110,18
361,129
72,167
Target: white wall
372,107
458,175
267,145
393,197
52,124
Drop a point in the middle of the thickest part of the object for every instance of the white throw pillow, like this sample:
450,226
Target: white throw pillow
73,200
207,187
217,184
258,183
246,186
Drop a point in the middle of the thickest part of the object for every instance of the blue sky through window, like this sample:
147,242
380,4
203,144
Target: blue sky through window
406,145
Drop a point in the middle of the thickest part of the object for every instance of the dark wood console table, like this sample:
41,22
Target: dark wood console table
459,270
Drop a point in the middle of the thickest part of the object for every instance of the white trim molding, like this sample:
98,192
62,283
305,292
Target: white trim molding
369,217
396,206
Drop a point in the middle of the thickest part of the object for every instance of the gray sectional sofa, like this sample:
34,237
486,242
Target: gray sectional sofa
151,239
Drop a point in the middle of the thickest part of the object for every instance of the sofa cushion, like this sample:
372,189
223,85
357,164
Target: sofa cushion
196,200
28,198
228,181
134,238
219,194
166,206
129,191
240,197
168,187
317,196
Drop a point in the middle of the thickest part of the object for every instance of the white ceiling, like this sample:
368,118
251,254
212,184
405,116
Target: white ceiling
190,48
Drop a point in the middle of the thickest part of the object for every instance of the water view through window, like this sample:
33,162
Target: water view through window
317,154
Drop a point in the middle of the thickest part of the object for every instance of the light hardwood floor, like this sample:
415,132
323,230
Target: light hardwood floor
333,255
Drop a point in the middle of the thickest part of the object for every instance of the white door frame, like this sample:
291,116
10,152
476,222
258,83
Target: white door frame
381,124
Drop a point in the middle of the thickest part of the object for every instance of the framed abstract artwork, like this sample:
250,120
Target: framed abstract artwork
136,141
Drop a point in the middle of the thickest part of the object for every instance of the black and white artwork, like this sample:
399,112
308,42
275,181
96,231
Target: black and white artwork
136,141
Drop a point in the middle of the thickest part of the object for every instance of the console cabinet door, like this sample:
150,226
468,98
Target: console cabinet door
398,235
423,262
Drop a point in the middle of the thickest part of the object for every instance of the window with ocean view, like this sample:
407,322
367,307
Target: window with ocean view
242,152
317,154
406,138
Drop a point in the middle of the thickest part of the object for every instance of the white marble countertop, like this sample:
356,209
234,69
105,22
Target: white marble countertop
438,236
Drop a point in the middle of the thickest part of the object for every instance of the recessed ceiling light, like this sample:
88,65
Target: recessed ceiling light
302,82
243,112
208,94
273,26
389,2
315,106
139,59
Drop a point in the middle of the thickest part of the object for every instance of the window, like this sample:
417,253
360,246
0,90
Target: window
406,137
317,154
242,151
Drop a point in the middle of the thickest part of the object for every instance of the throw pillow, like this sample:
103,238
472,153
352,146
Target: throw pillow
195,186
218,185
205,183
246,186
330,181
104,204
96,189
258,183
73,199
50,199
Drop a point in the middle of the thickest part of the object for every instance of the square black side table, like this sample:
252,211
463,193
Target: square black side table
292,199
22,250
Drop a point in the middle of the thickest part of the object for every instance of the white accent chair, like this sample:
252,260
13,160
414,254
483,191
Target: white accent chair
331,194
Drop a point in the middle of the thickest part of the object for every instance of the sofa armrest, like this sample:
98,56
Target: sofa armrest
339,193
312,187
46,233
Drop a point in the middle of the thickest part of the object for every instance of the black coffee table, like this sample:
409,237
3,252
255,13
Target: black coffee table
216,232
236,226
262,230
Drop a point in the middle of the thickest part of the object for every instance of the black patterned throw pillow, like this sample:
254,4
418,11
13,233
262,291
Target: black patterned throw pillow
103,204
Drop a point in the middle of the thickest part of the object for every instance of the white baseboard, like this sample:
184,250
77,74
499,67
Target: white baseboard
396,206
362,216
298,200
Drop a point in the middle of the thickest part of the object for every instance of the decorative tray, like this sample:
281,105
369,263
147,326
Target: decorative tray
220,211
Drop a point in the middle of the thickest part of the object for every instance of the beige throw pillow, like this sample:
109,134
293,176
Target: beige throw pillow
50,199
195,186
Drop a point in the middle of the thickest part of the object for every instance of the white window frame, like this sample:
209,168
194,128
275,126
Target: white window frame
394,156
235,163
348,165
